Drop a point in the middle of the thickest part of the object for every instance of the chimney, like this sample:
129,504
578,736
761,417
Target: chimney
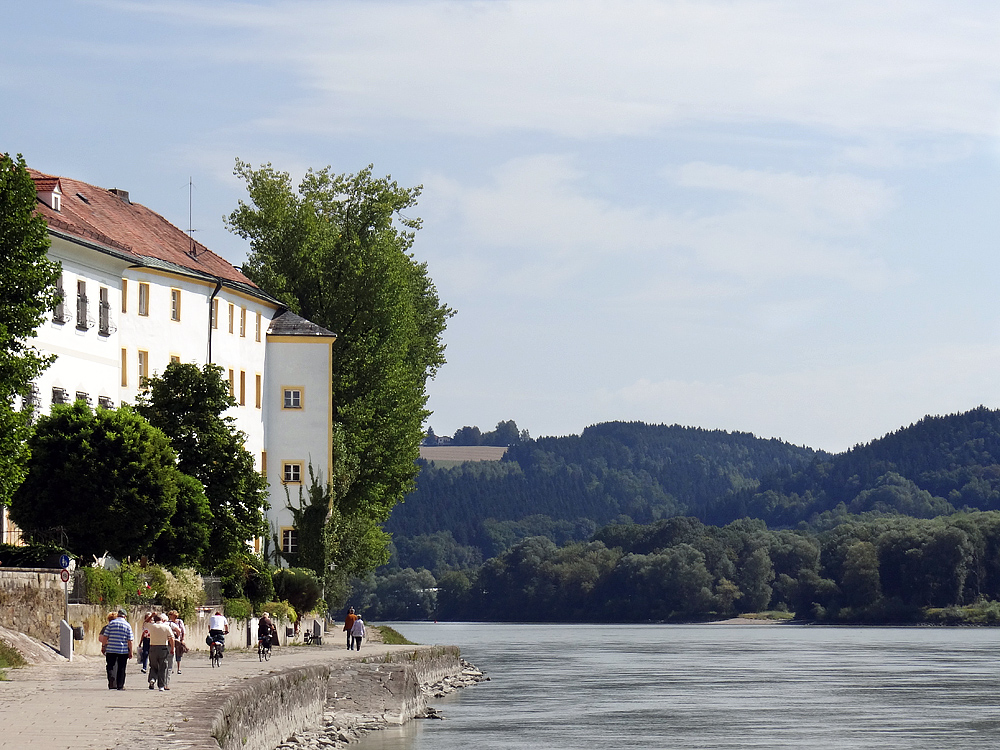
123,194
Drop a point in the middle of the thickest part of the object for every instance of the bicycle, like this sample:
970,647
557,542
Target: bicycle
264,649
215,654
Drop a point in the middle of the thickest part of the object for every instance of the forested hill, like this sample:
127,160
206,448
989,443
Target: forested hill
931,468
567,487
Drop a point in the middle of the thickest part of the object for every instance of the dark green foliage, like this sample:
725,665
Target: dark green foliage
246,577
42,555
928,469
27,292
299,587
188,403
407,594
505,434
564,488
338,251
108,478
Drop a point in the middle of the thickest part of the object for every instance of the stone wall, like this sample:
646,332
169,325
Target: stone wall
267,710
32,601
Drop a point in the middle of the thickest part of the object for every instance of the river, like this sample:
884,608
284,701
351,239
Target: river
712,686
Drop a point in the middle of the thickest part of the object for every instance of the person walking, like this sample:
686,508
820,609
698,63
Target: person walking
348,624
358,632
161,645
116,645
175,653
180,632
144,642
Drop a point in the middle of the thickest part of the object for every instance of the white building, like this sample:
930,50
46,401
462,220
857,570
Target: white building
140,293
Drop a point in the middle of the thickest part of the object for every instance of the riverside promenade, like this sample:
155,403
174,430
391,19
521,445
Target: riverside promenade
67,705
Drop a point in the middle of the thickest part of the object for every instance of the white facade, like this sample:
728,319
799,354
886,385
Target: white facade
139,294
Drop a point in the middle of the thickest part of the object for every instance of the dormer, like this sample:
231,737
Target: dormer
49,192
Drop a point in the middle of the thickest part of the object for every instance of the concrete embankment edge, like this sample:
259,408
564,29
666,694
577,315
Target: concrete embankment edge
262,713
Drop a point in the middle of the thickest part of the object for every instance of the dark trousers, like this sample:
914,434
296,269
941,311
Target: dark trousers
116,670
357,642
158,666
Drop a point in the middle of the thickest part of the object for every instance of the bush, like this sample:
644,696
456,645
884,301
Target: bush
181,589
104,587
238,609
279,611
246,578
32,555
299,587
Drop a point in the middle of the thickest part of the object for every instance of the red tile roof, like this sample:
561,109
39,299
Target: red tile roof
102,216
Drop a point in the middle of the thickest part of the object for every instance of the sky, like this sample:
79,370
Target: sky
767,216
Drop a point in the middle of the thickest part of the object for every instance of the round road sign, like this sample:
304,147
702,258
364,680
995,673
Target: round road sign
64,575
64,561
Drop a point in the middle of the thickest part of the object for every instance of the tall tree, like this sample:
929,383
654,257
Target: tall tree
27,291
338,251
188,404
109,478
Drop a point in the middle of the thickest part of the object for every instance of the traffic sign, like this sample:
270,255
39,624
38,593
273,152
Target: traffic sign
64,562
64,575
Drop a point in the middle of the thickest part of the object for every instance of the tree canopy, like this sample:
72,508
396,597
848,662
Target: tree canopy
188,404
337,251
27,291
109,478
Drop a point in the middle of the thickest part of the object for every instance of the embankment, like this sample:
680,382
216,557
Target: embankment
335,700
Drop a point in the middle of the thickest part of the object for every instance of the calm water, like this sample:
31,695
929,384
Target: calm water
712,686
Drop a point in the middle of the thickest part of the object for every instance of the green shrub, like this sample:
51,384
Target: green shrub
246,578
238,609
104,587
279,611
44,555
392,637
182,589
299,587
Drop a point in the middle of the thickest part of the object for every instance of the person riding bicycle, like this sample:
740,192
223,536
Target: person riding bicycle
218,627
267,633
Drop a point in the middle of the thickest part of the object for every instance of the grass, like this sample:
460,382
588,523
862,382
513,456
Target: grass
9,657
393,637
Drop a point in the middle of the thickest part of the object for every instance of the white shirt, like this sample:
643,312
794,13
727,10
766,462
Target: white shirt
217,622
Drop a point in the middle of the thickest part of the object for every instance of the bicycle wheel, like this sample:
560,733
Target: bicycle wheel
260,652
267,654
216,661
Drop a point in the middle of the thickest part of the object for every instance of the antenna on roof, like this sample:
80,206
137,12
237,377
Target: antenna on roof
191,250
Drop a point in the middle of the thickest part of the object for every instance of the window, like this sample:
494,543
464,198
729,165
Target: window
258,326
83,396
243,322
292,398
232,309
175,359
59,311
105,402
175,304
289,541
60,396
143,298
232,384
256,390
81,305
291,472
215,313
143,365
263,463
124,295
104,313
243,388
124,367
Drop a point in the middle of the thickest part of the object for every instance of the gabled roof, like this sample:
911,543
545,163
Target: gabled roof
290,324
107,217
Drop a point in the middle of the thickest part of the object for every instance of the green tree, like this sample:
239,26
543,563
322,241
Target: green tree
338,252
109,478
188,403
27,291
299,587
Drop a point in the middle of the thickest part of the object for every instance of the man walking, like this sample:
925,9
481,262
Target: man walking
116,645
161,645
348,624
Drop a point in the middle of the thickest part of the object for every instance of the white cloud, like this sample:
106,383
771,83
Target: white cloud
549,232
623,67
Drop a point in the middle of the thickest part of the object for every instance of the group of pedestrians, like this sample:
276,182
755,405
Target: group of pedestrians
161,647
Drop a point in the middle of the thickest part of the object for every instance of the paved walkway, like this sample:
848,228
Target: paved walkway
67,706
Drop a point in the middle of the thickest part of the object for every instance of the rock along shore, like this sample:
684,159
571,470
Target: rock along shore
349,716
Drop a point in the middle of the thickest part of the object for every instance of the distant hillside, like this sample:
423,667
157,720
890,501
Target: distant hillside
931,468
568,487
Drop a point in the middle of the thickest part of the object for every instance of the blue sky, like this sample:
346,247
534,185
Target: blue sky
769,216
